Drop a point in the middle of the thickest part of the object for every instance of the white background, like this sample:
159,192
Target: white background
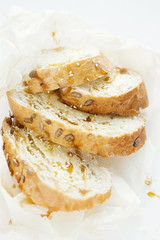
138,20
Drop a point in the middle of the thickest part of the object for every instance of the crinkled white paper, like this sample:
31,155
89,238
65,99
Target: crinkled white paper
23,36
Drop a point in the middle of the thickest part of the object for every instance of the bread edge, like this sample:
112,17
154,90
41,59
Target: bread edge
38,191
71,74
85,140
125,104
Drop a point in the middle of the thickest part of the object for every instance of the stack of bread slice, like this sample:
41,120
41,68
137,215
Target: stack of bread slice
73,106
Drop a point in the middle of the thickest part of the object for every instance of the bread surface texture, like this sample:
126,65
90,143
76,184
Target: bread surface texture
121,92
105,136
53,176
57,68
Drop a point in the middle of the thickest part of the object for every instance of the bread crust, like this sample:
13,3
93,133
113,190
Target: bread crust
125,104
71,74
83,139
40,193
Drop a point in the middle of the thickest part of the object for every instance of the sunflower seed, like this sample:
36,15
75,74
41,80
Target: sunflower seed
33,115
59,132
28,120
33,74
88,102
48,122
69,137
29,171
136,142
41,126
15,162
76,94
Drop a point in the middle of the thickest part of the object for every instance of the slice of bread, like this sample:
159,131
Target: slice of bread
102,135
121,92
53,176
57,68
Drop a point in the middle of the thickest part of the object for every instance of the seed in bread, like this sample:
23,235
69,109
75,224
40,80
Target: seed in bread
121,92
104,135
57,68
53,176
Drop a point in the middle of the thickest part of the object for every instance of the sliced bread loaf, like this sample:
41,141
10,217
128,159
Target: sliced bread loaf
53,176
61,67
121,92
102,135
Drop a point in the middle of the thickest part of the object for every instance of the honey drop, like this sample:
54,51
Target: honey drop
69,166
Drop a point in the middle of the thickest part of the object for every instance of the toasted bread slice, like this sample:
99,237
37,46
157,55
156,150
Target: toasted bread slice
121,92
102,135
57,68
53,176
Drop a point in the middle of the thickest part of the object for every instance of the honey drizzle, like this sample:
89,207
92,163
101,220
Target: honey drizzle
10,222
70,154
48,215
82,170
110,80
151,194
22,137
69,166
26,200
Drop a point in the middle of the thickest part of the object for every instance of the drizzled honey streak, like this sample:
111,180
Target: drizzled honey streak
62,67
151,194
68,178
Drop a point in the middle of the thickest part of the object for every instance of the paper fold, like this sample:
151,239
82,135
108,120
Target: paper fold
23,36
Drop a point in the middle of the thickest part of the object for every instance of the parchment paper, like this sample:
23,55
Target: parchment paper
23,36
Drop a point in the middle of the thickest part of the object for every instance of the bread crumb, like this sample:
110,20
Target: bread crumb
148,181
10,222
